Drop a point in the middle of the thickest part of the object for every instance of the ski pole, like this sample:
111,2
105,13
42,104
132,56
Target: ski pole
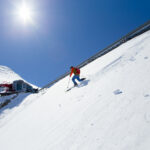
68,82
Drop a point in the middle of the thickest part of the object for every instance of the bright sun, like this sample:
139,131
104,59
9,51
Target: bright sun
25,13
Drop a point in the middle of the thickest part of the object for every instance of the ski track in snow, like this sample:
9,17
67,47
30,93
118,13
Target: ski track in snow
109,111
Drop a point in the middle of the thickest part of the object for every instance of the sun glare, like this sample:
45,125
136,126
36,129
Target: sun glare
25,13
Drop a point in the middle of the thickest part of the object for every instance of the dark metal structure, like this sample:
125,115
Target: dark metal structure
18,86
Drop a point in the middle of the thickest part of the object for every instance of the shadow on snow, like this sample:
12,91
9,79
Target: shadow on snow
9,102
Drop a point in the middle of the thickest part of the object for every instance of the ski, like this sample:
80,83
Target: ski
78,85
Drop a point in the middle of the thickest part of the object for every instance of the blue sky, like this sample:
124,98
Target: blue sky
63,33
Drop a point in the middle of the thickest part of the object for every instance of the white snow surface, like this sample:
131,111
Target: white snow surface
108,111
7,75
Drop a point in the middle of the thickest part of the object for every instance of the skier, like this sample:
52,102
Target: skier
76,72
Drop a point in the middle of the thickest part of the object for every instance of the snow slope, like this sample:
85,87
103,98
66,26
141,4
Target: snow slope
108,111
7,75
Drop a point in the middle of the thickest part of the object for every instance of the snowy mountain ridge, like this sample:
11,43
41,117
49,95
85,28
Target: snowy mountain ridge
7,75
108,111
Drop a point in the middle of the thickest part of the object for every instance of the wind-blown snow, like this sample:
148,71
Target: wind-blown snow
108,111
